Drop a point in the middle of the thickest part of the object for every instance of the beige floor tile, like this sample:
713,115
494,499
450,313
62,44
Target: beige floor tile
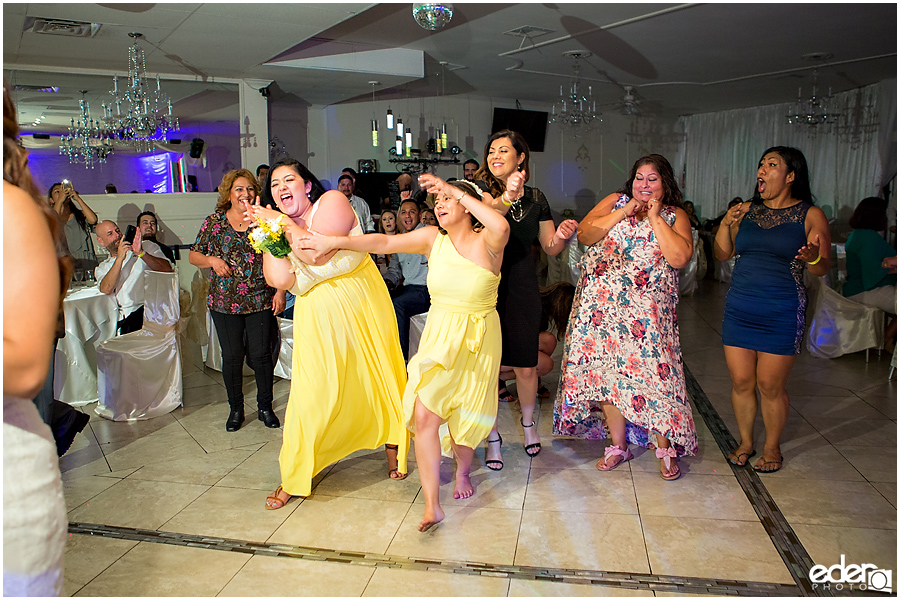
816,382
83,459
825,545
388,583
207,377
874,463
206,469
187,572
530,589
108,431
162,446
80,490
199,396
712,548
565,490
858,432
207,426
679,595
353,524
259,472
812,458
493,489
367,478
832,503
717,497
848,407
230,513
593,541
132,503
888,490
715,384
269,576
570,453
87,556
466,533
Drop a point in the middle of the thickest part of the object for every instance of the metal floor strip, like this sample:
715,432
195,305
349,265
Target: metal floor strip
612,579
786,542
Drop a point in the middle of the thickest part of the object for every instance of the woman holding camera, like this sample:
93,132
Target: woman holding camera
77,218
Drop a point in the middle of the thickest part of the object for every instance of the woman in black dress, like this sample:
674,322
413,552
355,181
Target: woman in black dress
504,170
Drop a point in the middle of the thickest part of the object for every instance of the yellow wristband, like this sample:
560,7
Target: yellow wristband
279,220
141,255
504,200
818,258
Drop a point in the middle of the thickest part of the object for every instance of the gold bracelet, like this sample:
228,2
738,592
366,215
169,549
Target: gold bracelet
818,258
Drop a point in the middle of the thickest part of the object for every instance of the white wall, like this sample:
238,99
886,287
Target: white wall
573,173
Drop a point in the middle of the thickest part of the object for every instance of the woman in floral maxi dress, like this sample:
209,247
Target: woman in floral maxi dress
622,360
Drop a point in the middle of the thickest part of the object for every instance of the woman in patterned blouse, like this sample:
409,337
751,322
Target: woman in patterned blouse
240,302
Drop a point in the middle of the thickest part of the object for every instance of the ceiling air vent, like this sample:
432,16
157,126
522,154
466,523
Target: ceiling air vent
68,28
528,31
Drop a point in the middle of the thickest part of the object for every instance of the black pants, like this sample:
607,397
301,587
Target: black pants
259,327
131,323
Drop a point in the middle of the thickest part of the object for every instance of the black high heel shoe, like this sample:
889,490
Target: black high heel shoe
489,463
531,446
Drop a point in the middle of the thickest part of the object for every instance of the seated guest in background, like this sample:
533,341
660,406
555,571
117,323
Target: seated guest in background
148,226
122,273
412,271
692,216
713,224
360,206
262,171
469,168
111,189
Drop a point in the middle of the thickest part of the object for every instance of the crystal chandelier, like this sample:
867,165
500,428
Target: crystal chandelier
814,112
148,118
88,140
574,108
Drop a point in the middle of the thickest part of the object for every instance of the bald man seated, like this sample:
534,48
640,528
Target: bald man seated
122,273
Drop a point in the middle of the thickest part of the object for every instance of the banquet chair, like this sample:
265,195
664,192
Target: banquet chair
139,374
841,326
286,351
687,277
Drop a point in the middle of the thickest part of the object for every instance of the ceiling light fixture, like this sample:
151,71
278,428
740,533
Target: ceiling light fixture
575,109
432,15
149,116
374,120
814,112
88,141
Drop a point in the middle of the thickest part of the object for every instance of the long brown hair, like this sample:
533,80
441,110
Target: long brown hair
16,172
556,305
672,194
484,174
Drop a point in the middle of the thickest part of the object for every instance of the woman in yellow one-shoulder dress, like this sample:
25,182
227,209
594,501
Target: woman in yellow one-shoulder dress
347,371
453,377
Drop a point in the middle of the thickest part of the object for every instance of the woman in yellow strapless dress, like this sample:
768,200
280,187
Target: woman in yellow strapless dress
348,372
453,377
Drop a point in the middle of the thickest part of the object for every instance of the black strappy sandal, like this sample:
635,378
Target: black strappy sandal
493,461
531,446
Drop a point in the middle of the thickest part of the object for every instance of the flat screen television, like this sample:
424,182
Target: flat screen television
532,124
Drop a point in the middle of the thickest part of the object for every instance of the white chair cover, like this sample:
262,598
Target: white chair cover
841,326
286,353
687,277
724,269
576,251
139,374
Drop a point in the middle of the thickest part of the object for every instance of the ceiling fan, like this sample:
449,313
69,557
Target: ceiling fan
629,105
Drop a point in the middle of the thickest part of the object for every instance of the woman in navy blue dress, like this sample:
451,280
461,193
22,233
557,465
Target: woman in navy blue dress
775,235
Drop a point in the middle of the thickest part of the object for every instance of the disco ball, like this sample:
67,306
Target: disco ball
432,16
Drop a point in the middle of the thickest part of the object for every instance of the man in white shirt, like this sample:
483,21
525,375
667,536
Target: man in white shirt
347,186
122,274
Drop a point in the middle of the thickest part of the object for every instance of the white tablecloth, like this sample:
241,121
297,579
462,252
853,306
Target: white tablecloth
91,318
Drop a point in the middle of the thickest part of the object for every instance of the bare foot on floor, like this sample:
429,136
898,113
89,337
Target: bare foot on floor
463,487
432,518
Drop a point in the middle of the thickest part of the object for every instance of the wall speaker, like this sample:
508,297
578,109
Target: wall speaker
196,148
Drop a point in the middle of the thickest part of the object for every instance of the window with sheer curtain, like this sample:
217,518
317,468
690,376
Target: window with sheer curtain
721,151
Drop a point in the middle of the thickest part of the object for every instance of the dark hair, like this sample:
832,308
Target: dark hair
473,161
317,188
144,214
349,170
672,195
224,188
495,186
556,305
796,164
260,168
870,213
734,201
470,189
111,189
345,176
75,210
